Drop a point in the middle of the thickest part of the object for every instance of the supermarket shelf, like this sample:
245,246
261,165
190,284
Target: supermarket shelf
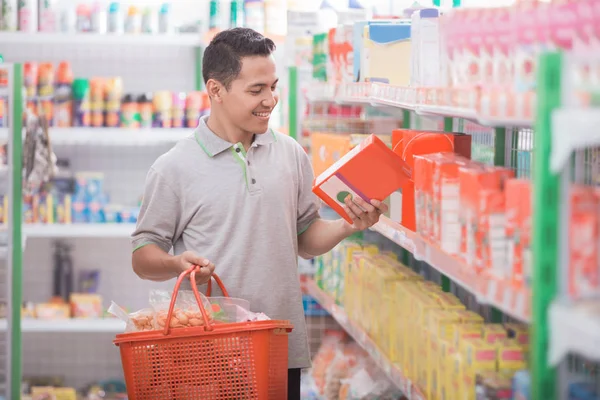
360,336
574,328
383,95
116,136
41,39
78,230
512,301
572,129
69,325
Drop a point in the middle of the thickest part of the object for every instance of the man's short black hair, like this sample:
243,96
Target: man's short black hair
223,57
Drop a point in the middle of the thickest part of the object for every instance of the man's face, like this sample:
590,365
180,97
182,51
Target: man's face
252,96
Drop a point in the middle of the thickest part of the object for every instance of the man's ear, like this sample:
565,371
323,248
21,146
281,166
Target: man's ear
215,90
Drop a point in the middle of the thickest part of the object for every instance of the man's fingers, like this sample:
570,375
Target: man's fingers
354,208
351,214
364,205
381,206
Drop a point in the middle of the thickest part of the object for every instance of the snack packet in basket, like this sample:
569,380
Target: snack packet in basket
186,313
231,309
142,320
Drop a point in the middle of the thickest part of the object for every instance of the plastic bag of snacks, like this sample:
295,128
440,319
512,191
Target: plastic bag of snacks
186,313
231,309
142,320
368,382
332,341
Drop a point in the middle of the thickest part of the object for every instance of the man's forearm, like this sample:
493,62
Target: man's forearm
153,263
322,236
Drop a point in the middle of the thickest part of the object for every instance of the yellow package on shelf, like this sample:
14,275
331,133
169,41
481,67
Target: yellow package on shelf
478,356
385,46
441,323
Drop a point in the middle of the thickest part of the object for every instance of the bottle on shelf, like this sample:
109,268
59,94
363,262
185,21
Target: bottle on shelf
145,110
63,272
63,96
81,103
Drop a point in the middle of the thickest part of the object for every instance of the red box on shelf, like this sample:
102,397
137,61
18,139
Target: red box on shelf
446,201
481,209
584,277
518,230
408,144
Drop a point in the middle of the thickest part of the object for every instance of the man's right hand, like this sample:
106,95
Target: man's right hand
188,259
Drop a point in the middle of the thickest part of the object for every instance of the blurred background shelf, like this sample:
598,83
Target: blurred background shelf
69,325
38,39
78,230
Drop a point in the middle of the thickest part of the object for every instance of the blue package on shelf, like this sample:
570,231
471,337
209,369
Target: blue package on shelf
583,391
312,308
521,385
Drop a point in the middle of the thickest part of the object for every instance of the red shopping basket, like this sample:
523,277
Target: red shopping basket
234,361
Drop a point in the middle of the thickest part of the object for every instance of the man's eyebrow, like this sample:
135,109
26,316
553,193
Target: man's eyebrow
262,84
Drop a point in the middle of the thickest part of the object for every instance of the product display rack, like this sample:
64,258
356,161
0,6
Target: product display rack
138,59
555,324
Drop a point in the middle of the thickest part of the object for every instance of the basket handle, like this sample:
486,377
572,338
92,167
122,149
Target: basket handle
192,273
221,286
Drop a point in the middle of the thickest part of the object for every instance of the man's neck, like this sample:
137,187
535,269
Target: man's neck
224,130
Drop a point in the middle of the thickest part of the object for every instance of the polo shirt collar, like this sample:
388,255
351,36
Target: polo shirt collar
213,144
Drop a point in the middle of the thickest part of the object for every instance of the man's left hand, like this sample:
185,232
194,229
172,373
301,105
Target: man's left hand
363,214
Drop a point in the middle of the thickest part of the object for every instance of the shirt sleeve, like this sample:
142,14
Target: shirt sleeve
160,216
308,202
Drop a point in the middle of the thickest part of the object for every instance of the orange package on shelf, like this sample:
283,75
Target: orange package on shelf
327,149
370,171
408,144
518,230
482,213
583,274
423,178
446,201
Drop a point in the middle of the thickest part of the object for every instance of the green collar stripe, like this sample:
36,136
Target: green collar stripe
201,145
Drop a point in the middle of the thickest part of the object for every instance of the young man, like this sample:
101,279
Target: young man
237,195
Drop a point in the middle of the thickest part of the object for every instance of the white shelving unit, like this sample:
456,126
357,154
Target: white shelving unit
56,231
25,38
108,325
111,136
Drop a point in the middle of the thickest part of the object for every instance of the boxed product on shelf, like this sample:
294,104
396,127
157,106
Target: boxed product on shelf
385,46
482,205
584,237
518,230
493,385
409,144
86,305
371,170
426,54
340,53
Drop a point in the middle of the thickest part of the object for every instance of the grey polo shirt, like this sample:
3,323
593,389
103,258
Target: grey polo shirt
243,211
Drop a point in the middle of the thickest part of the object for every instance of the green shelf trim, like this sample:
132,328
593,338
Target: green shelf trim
293,102
545,245
448,124
406,119
17,244
499,147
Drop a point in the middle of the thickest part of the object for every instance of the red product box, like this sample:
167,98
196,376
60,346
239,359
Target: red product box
584,277
409,143
446,201
518,194
482,210
423,178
